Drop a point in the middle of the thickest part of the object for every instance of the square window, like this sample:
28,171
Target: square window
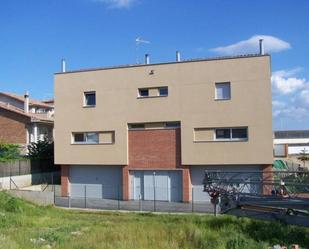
163,91
143,92
90,99
92,137
79,138
239,133
223,133
223,90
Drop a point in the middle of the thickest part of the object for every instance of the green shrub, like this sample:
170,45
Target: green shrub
41,150
9,152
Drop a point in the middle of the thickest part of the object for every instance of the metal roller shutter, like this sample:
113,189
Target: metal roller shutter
102,182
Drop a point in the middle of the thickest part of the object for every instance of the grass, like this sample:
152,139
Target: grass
24,225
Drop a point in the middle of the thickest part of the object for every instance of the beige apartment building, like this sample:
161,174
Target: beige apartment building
130,129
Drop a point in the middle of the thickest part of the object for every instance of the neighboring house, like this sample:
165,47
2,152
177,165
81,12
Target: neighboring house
23,120
125,131
290,144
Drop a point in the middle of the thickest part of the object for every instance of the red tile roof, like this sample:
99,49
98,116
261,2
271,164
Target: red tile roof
32,116
32,102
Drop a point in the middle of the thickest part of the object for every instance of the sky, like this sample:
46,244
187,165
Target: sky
36,34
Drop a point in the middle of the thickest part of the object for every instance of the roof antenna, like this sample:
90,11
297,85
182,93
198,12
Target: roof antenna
138,42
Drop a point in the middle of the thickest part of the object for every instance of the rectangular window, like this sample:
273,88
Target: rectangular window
86,138
143,92
153,92
223,133
136,126
172,124
239,133
223,91
89,99
233,134
163,91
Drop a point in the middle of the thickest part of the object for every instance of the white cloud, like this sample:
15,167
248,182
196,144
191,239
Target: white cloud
283,83
271,44
304,97
293,112
117,3
278,104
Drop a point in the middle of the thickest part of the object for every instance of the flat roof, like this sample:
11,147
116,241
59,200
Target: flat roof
291,134
165,63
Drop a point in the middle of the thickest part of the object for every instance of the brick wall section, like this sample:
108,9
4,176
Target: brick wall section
186,184
157,150
154,149
125,183
13,127
65,172
267,176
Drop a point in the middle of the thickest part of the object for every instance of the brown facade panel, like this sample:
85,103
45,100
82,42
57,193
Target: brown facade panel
186,184
13,127
158,149
125,183
65,172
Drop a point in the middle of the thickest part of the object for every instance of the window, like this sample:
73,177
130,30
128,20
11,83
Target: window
239,133
223,133
136,126
233,134
163,91
143,92
89,99
86,137
153,92
223,91
172,124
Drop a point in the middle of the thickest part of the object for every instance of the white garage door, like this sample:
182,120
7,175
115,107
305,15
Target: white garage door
96,181
163,185
197,175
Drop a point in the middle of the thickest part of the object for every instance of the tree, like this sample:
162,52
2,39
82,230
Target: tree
41,150
304,156
9,152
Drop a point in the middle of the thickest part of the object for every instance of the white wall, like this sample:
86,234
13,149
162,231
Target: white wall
291,141
297,149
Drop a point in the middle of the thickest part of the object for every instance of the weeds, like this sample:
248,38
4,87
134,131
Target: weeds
24,225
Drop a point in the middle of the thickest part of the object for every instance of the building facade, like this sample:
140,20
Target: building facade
127,131
24,120
289,145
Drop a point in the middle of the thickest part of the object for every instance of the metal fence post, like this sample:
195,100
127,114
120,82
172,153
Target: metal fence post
140,202
69,201
85,196
192,193
118,197
154,191
10,177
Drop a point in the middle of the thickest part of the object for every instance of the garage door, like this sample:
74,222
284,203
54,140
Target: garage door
197,176
163,185
96,181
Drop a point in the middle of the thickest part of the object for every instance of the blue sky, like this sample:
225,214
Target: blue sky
36,34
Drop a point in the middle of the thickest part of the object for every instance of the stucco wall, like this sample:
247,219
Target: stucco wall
191,87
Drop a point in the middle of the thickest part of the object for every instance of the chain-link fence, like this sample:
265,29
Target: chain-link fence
152,199
28,173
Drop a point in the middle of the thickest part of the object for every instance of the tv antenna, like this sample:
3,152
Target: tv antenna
138,42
